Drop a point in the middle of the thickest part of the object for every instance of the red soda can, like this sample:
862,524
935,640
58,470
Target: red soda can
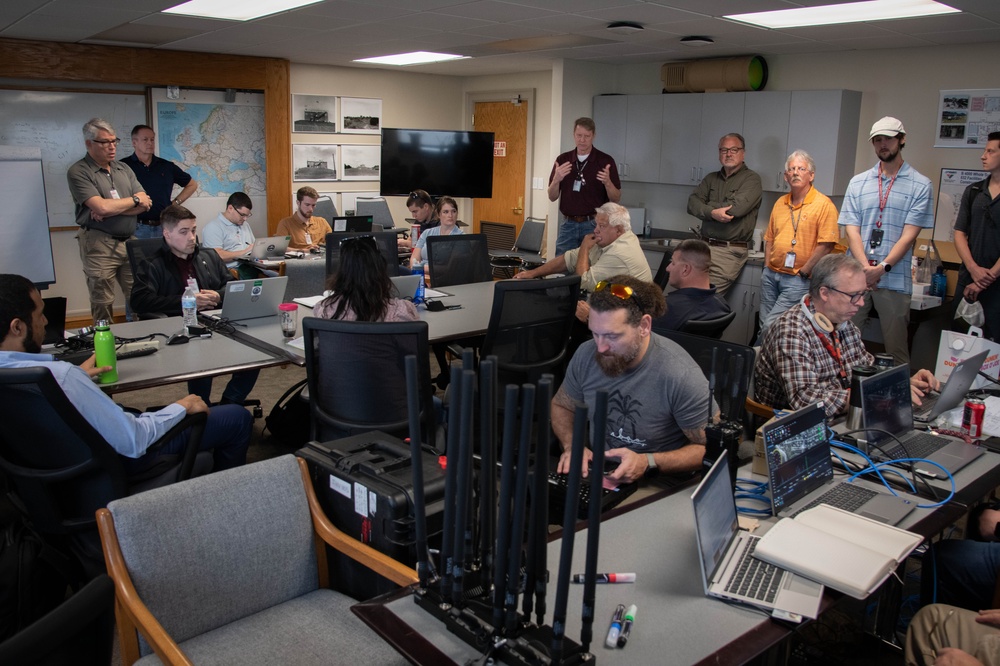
972,417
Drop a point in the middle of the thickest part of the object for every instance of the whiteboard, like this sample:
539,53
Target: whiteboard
951,187
53,122
25,247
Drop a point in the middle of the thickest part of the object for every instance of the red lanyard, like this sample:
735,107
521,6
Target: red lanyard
883,200
834,349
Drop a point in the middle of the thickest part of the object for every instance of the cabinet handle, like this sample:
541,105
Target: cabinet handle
744,300
779,183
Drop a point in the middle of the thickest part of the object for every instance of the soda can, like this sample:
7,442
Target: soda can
972,417
884,362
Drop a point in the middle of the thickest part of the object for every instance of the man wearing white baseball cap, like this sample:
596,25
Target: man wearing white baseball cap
883,211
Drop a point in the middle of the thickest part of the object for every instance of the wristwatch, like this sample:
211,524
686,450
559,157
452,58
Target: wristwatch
886,266
652,470
135,199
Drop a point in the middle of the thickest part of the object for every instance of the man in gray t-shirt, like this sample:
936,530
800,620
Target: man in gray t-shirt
657,395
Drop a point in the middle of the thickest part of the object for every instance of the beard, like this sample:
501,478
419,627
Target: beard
890,156
615,365
31,345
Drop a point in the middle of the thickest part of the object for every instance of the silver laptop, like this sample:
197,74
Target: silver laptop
250,299
273,247
887,416
953,392
724,549
797,449
405,286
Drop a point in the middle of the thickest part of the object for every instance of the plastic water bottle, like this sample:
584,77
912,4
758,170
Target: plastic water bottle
104,351
419,296
189,305
939,283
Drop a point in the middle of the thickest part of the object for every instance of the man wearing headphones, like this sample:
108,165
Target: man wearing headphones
809,351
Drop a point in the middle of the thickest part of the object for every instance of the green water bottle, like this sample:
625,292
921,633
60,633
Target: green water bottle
104,350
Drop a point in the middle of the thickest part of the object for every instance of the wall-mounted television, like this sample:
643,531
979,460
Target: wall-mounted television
443,162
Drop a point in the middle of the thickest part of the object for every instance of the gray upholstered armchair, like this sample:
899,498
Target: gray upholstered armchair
230,568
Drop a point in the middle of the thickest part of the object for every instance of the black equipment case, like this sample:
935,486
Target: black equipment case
364,484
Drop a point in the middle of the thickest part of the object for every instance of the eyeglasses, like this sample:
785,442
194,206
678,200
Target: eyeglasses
368,238
245,215
622,291
856,297
105,142
729,151
797,170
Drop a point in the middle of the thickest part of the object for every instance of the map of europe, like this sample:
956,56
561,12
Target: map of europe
220,145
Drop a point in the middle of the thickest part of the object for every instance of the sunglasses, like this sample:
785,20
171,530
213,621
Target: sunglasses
368,238
622,291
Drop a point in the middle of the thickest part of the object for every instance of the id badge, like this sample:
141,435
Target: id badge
875,239
577,185
789,260
309,239
114,194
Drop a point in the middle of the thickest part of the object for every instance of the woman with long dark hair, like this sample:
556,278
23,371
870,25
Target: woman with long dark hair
361,287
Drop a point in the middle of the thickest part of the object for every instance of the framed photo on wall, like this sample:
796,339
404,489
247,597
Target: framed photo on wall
359,115
316,114
314,162
360,162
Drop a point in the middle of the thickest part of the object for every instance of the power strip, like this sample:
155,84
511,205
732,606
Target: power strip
137,346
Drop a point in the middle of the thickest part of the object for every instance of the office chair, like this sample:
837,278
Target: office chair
530,239
377,208
709,328
462,259
139,250
356,376
499,237
231,568
325,208
662,275
63,470
78,631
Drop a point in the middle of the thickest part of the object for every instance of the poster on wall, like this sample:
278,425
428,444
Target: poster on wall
360,116
361,162
314,161
966,117
314,113
950,188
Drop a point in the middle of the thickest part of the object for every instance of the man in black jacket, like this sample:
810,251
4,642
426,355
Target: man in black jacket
160,281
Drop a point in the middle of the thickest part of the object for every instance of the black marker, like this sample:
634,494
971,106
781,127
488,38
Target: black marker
627,626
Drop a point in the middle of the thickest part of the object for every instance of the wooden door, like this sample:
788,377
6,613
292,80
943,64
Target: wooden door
509,124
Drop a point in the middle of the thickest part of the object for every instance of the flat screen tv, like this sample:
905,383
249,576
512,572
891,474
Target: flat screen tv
443,162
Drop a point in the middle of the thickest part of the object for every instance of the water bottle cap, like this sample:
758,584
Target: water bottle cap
958,344
288,307
102,325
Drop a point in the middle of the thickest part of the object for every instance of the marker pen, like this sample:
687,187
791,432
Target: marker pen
627,626
607,578
616,626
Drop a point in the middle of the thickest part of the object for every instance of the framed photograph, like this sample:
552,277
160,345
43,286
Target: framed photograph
314,161
359,115
314,113
360,162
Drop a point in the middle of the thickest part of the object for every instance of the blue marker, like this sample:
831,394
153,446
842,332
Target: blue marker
616,627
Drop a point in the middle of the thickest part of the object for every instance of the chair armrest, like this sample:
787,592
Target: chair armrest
196,422
131,614
380,563
759,409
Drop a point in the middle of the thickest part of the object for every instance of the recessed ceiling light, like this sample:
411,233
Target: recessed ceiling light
237,10
625,27
415,58
696,40
851,12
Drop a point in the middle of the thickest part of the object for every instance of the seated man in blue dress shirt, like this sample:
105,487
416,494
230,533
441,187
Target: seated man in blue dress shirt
22,329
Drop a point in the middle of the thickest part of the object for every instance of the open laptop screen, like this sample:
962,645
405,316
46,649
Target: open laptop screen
885,404
356,223
798,455
715,519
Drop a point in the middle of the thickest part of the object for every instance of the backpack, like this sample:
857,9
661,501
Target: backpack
290,419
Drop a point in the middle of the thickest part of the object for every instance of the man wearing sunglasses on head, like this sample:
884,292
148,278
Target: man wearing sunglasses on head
658,396
809,352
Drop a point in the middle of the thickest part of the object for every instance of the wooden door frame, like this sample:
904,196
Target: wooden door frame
526,95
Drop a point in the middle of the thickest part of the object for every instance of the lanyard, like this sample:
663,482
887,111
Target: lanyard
795,220
580,166
834,349
883,200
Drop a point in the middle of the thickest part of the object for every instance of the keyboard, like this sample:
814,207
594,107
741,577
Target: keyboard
557,497
919,445
843,496
78,356
753,578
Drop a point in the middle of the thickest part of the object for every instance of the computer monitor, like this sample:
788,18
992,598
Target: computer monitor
386,241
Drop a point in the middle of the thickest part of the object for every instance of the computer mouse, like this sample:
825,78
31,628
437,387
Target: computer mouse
178,339
314,250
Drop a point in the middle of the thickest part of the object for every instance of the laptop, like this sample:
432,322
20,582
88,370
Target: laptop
250,299
953,392
272,247
797,450
355,223
725,555
405,286
886,411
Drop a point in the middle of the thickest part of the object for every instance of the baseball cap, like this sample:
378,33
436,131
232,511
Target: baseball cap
887,126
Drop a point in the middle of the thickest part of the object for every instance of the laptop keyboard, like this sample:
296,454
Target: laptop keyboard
920,445
557,497
753,578
842,496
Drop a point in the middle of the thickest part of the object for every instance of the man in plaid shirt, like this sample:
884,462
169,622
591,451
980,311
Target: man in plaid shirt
809,351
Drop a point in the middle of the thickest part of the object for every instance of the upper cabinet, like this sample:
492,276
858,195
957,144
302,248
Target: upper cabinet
682,145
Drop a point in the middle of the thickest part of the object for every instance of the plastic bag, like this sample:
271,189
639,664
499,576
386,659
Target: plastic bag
971,312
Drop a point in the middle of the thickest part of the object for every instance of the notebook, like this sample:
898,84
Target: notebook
797,450
356,223
886,411
725,554
405,286
272,247
250,299
953,392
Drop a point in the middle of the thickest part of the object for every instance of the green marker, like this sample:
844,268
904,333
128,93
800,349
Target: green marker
627,625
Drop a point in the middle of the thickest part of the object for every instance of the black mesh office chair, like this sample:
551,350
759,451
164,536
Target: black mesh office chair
460,259
528,245
499,238
529,327
356,376
63,470
662,275
709,328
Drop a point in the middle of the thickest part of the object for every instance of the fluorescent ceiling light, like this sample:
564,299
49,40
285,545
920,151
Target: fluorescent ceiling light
851,12
415,58
237,10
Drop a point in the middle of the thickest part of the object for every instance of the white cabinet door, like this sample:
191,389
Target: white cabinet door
765,121
642,138
824,123
680,143
610,116
721,114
